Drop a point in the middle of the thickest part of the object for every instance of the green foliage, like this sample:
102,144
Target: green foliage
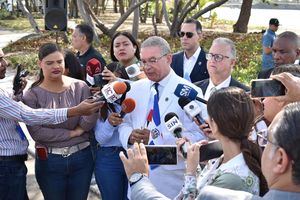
21,24
4,15
28,60
248,49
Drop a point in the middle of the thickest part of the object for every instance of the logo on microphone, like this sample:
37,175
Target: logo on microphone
185,91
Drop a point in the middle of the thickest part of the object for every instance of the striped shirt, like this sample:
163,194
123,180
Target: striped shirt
12,112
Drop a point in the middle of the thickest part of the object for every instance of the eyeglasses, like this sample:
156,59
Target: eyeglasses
217,57
188,34
263,138
152,60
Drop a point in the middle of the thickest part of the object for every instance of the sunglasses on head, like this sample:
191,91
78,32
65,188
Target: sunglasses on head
188,34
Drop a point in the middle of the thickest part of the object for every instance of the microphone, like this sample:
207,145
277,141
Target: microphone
183,90
175,126
191,108
133,71
111,92
128,105
93,67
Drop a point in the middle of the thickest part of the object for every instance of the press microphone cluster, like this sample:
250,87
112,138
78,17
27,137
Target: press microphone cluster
191,108
183,90
112,92
175,127
93,68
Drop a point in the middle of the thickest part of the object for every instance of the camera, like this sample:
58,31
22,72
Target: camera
162,154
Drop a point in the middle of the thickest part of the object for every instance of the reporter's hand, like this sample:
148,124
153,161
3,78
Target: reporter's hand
115,119
108,75
95,90
23,83
292,85
137,160
193,157
139,136
204,128
86,107
179,143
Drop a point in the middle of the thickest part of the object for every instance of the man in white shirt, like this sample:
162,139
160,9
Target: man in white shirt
220,62
157,91
191,62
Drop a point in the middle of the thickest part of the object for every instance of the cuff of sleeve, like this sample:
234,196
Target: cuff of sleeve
190,185
61,115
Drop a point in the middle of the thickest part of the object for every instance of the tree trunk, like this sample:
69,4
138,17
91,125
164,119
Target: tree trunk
29,16
135,24
121,7
144,14
158,13
241,25
87,18
115,6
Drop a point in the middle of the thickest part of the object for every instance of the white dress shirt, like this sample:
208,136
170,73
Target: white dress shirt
189,63
224,84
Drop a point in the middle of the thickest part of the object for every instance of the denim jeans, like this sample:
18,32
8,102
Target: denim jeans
110,174
13,180
62,178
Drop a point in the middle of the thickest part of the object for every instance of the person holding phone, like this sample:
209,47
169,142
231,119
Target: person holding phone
109,171
231,118
124,52
64,162
272,105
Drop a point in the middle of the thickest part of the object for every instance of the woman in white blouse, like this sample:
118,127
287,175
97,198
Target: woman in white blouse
231,118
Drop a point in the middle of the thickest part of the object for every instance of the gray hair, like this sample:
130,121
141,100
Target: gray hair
227,42
156,41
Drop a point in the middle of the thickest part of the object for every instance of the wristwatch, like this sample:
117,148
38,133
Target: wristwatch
135,177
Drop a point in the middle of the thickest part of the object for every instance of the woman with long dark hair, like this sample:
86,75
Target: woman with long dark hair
64,163
231,118
109,171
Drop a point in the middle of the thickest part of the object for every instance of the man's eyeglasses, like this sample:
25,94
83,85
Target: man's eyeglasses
152,60
188,34
217,57
263,138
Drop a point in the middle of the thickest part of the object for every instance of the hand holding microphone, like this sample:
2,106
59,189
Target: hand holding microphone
175,127
111,92
128,105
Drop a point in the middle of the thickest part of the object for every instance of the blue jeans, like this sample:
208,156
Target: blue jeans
62,178
110,174
13,180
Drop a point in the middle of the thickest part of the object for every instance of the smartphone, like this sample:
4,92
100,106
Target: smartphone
266,88
162,154
42,152
211,150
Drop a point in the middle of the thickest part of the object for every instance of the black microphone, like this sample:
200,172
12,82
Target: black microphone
175,126
187,91
191,108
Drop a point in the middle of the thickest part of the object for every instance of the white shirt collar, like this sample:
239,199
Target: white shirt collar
194,56
189,63
237,160
164,81
224,84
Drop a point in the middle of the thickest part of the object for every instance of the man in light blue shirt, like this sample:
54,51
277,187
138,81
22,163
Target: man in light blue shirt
267,43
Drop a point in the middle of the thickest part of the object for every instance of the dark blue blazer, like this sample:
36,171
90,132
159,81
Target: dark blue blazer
199,71
204,84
